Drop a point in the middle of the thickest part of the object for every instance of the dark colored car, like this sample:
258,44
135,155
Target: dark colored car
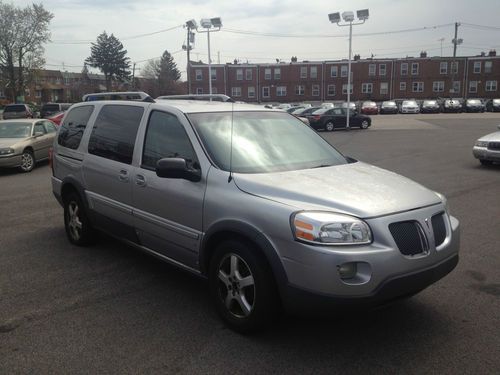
336,118
473,105
305,111
369,108
49,109
430,106
15,111
389,107
493,105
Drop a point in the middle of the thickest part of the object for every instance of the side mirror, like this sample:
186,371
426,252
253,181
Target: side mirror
177,168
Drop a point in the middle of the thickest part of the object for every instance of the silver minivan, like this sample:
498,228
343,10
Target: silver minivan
253,200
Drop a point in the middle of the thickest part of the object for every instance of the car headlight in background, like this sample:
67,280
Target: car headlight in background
481,143
328,228
6,151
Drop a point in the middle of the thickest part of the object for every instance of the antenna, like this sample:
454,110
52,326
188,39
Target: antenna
231,146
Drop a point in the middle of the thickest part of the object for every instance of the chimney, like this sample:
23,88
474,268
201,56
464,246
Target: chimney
483,54
492,52
423,54
357,57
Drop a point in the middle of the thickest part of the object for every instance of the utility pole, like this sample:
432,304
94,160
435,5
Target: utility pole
454,66
188,49
133,77
441,40
455,40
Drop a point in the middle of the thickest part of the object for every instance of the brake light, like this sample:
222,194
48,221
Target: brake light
316,117
51,163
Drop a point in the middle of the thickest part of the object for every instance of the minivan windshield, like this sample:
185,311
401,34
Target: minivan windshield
15,129
262,142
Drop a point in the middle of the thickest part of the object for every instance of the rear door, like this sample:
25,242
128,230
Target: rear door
41,143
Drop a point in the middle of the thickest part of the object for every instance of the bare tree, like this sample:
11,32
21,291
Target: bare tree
23,31
165,73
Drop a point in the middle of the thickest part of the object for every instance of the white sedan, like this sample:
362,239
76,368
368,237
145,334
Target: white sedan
487,148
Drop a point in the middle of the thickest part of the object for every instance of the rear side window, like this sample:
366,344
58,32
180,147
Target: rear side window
74,125
15,108
114,132
50,107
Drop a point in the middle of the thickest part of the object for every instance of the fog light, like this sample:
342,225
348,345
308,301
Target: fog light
347,270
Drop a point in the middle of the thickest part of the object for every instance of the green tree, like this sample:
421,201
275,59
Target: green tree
108,55
23,31
164,72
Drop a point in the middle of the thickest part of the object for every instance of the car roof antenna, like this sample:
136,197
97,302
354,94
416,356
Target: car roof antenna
231,146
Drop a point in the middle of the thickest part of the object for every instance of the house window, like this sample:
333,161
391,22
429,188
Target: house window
314,72
299,90
443,67
235,92
248,74
199,90
277,73
343,71
38,93
303,72
199,74
487,66
473,86
384,88
281,91
315,90
267,73
367,88
214,74
372,69
334,71
239,74
438,86
491,85
266,92
382,69
66,81
477,67
414,69
402,86
331,90
456,87
344,89
454,67
251,92
404,69
417,87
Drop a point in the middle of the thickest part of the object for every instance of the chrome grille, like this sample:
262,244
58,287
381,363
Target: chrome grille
409,237
494,145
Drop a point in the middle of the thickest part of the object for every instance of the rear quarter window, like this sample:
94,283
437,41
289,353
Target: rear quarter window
71,131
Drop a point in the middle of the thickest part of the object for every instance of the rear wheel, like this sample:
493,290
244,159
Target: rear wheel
242,286
365,124
76,222
27,161
329,126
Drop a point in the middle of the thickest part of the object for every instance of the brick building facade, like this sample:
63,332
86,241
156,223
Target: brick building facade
372,79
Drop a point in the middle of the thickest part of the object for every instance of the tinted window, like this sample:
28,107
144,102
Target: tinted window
15,108
73,126
39,128
114,132
165,138
50,107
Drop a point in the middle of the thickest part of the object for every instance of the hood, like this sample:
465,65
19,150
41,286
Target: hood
492,137
10,142
357,189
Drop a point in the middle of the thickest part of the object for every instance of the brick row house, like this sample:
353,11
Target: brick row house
372,79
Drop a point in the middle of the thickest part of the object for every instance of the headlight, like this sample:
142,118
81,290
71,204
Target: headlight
6,151
481,144
327,228
445,202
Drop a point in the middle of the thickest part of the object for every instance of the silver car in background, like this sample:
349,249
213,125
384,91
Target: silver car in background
409,106
487,148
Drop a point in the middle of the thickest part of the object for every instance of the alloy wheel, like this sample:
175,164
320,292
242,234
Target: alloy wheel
27,161
74,222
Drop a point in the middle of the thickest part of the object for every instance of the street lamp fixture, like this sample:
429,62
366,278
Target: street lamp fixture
348,18
210,24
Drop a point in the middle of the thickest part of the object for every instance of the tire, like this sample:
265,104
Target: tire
27,161
485,162
76,222
329,126
364,124
247,308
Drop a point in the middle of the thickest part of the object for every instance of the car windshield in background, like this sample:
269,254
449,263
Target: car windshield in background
388,104
51,107
430,102
320,111
410,103
262,142
15,108
15,130
496,101
473,101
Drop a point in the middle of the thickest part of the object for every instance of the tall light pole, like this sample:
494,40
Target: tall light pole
348,18
190,25
210,24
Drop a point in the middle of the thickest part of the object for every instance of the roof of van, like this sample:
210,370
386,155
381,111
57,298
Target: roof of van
198,106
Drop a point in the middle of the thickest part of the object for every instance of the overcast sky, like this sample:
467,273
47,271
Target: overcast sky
77,22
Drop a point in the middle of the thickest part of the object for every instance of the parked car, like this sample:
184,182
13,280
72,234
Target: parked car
352,106
305,111
473,105
430,106
487,148
493,105
254,201
57,118
15,111
409,106
48,109
25,142
336,118
452,105
389,107
369,108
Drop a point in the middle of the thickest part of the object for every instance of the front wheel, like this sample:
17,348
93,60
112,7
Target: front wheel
27,161
329,126
242,286
365,124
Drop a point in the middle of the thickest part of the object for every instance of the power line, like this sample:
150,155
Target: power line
480,27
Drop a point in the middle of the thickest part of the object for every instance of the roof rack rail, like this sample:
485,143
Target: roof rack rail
122,95
205,97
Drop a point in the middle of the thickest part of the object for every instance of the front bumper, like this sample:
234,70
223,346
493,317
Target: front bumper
384,272
486,154
10,161
408,110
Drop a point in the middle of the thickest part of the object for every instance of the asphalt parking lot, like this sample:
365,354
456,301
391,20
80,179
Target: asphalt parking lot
111,309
